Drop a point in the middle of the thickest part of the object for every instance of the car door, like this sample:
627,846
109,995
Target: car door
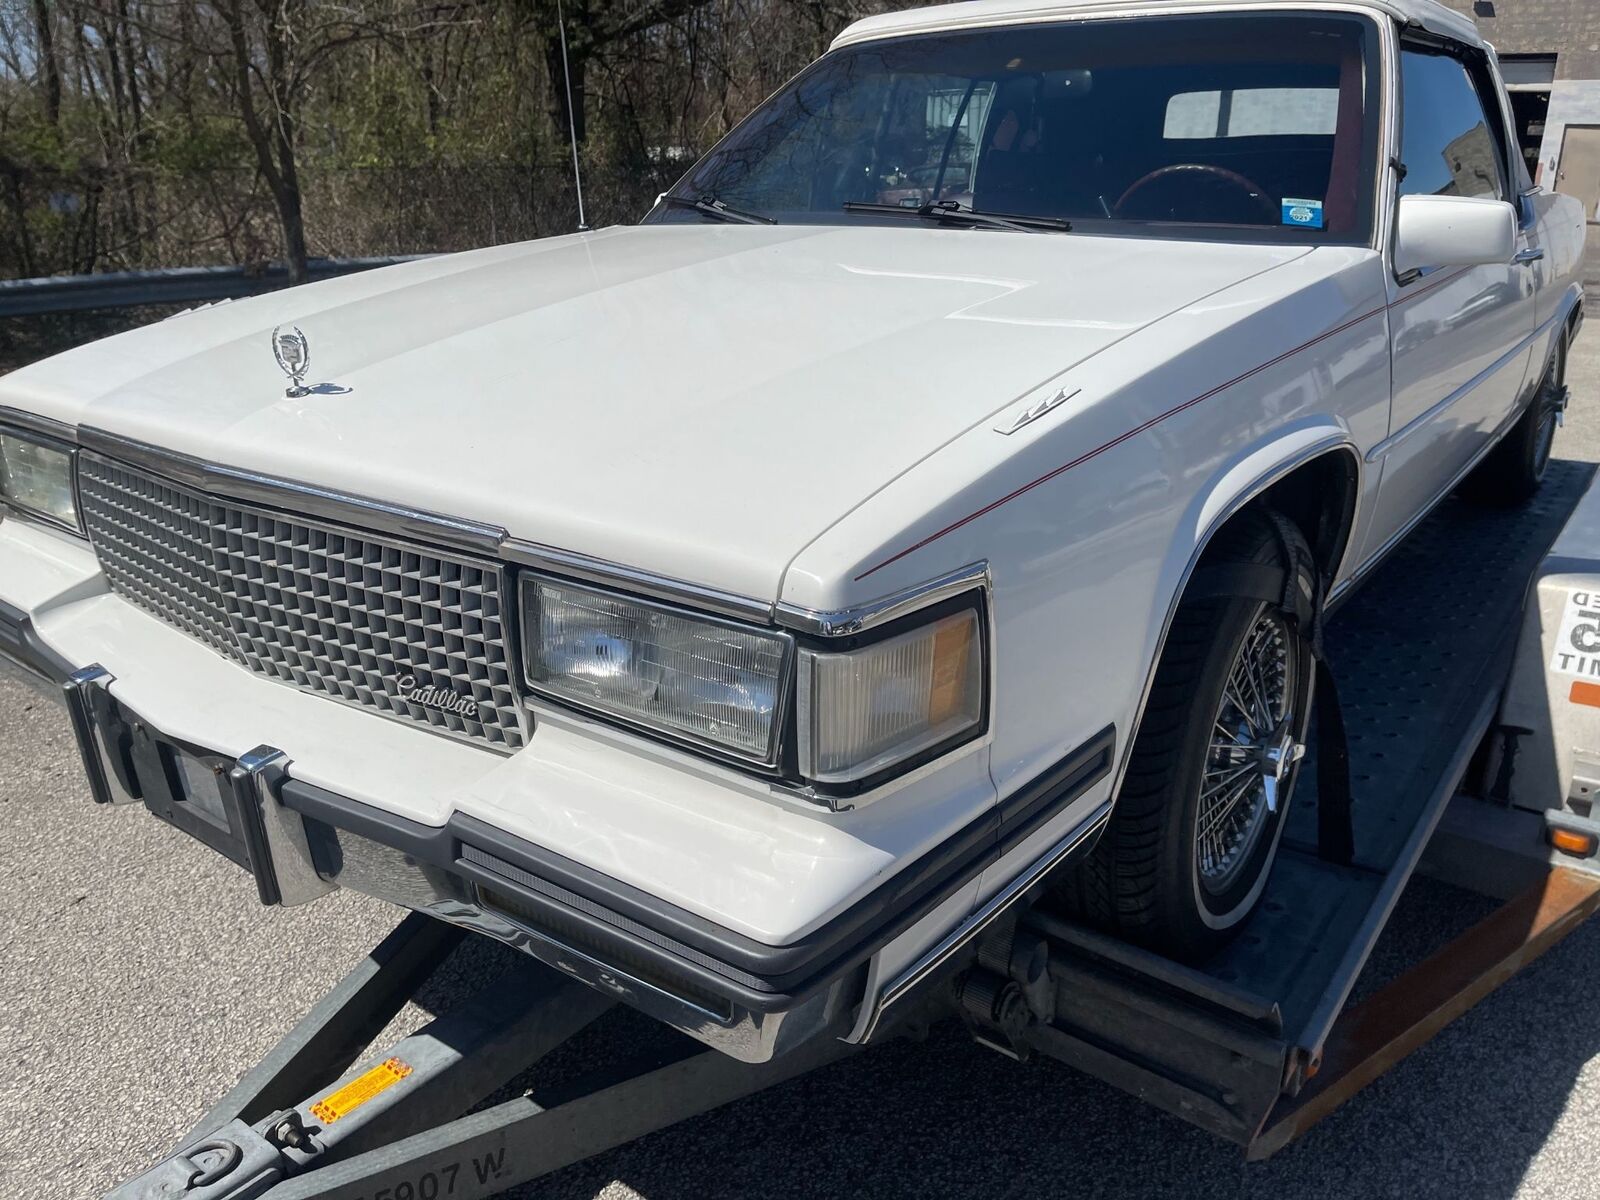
1459,337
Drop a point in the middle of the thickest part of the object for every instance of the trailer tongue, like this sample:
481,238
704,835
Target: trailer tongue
1255,1046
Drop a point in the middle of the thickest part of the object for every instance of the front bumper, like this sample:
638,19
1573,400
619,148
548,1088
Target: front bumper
519,847
23,647
300,841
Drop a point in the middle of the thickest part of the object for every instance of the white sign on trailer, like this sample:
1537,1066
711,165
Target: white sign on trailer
1577,645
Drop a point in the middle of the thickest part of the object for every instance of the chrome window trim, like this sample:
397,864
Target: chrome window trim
250,487
785,683
45,432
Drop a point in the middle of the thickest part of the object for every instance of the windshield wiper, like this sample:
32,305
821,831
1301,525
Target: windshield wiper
951,210
712,207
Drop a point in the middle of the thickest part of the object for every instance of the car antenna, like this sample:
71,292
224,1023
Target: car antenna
572,116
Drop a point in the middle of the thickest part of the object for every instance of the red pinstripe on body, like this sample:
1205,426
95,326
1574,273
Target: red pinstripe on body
1152,422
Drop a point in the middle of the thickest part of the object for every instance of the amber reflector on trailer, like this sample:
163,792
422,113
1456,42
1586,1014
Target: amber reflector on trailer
1569,841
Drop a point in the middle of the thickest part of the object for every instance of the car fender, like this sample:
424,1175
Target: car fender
1239,481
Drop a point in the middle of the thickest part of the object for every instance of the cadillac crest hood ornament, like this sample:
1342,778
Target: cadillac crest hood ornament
293,352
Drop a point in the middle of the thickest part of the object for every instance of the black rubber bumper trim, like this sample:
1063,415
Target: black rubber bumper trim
21,645
616,919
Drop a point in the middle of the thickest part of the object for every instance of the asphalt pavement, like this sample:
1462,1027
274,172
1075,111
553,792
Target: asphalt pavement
139,978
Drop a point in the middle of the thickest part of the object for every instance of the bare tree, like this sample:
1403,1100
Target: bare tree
260,58
146,132
49,69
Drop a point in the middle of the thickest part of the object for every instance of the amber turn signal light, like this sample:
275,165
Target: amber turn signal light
1569,841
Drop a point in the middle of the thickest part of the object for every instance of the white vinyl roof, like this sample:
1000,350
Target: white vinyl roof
972,14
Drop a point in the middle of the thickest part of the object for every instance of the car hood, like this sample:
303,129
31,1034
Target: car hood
696,400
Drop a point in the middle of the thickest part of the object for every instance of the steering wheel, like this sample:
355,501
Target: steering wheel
1250,187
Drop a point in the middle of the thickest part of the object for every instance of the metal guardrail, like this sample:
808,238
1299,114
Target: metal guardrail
169,285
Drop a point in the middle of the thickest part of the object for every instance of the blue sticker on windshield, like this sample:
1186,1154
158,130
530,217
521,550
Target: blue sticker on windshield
1305,213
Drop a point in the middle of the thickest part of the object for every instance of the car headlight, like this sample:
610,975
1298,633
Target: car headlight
36,477
689,676
866,710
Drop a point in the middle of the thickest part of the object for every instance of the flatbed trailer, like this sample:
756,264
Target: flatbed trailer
1256,1045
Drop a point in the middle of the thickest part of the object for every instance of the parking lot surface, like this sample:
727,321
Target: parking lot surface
139,977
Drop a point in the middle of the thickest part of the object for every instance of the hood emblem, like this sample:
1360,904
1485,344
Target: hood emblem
1036,410
293,352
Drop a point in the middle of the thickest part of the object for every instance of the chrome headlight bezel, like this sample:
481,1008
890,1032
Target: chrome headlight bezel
69,452
916,744
973,602
964,593
782,681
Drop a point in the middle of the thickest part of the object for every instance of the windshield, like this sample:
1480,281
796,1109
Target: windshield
1261,127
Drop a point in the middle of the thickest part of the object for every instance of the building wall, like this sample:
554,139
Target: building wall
1570,29
1574,102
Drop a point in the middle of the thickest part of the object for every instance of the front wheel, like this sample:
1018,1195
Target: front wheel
1196,825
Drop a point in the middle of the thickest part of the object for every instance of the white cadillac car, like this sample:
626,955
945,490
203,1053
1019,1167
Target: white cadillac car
933,500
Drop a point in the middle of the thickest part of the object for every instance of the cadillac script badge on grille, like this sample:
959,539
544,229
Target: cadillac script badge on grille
442,698
293,352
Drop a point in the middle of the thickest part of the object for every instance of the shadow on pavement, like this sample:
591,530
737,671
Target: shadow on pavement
1464,1116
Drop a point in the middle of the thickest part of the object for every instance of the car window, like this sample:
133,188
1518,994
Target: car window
1447,143
1253,112
1262,124
917,132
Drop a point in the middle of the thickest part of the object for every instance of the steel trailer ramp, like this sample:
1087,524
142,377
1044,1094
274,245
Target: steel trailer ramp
1421,654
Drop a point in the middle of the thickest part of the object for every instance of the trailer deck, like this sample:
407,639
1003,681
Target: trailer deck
1255,1045
1421,653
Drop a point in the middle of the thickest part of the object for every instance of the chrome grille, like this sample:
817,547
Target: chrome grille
409,632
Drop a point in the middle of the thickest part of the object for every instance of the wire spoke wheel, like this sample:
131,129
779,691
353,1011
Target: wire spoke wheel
1546,436
1252,749
1202,806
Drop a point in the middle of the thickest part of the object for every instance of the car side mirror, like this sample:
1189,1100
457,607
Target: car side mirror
1453,231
